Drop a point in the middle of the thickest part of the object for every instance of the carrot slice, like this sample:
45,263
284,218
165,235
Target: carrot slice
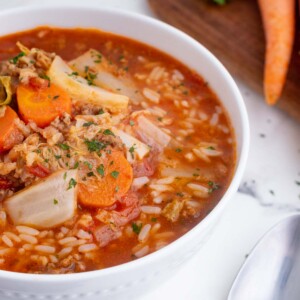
114,181
42,105
279,25
9,133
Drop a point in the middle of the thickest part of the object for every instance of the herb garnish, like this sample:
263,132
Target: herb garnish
178,150
100,170
55,201
63,146
72,183
131,151
89,165
219,2
73,74
210,148
94,146
90,78
88,124
131,123
108,132
90,174
136,228
213,187
115,174
15,59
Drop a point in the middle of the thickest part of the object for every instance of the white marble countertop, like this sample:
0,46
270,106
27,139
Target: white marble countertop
270,191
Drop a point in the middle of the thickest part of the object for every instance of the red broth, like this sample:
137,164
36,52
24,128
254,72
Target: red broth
184,180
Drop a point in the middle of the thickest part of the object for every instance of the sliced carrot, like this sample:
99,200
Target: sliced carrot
114,178
9,133
42,105
279,25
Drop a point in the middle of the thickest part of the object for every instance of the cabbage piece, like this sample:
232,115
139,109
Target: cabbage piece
82,90
135,148
46,204
5,90
90,61
152,134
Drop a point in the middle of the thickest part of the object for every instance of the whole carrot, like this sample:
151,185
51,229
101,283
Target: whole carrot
279,25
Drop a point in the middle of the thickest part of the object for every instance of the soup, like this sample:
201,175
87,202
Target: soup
109,150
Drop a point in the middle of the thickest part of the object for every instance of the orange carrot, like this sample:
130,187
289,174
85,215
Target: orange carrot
42,105
9,133
114,178
279,25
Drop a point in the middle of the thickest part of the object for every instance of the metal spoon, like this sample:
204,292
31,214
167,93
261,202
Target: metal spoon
272,270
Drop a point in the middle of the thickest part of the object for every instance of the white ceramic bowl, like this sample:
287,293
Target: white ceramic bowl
130,279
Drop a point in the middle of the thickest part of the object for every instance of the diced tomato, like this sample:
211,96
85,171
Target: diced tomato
39,171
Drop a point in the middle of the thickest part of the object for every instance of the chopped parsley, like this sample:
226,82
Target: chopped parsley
15,59
55,201
65,176
44,76
90,78
117,188
131,123
115,174
57,156
180,194
100,170
63,146
178,150
73,74
95,146
159,119
131,151
99,58
108,132
90,174
72,183
195,174
76,165
101,111
89,165
136,228
219,2
213,187
153,219
210,148
55,97
88,124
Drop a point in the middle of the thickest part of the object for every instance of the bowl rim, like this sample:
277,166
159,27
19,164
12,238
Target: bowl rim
237,175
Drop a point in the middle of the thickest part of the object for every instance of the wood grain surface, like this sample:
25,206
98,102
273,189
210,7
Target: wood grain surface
234,33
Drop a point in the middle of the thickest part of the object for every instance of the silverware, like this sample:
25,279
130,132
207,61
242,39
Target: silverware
272,270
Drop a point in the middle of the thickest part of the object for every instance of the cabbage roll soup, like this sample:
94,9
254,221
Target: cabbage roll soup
109,150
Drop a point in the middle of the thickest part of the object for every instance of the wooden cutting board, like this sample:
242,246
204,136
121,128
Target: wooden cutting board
234,33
